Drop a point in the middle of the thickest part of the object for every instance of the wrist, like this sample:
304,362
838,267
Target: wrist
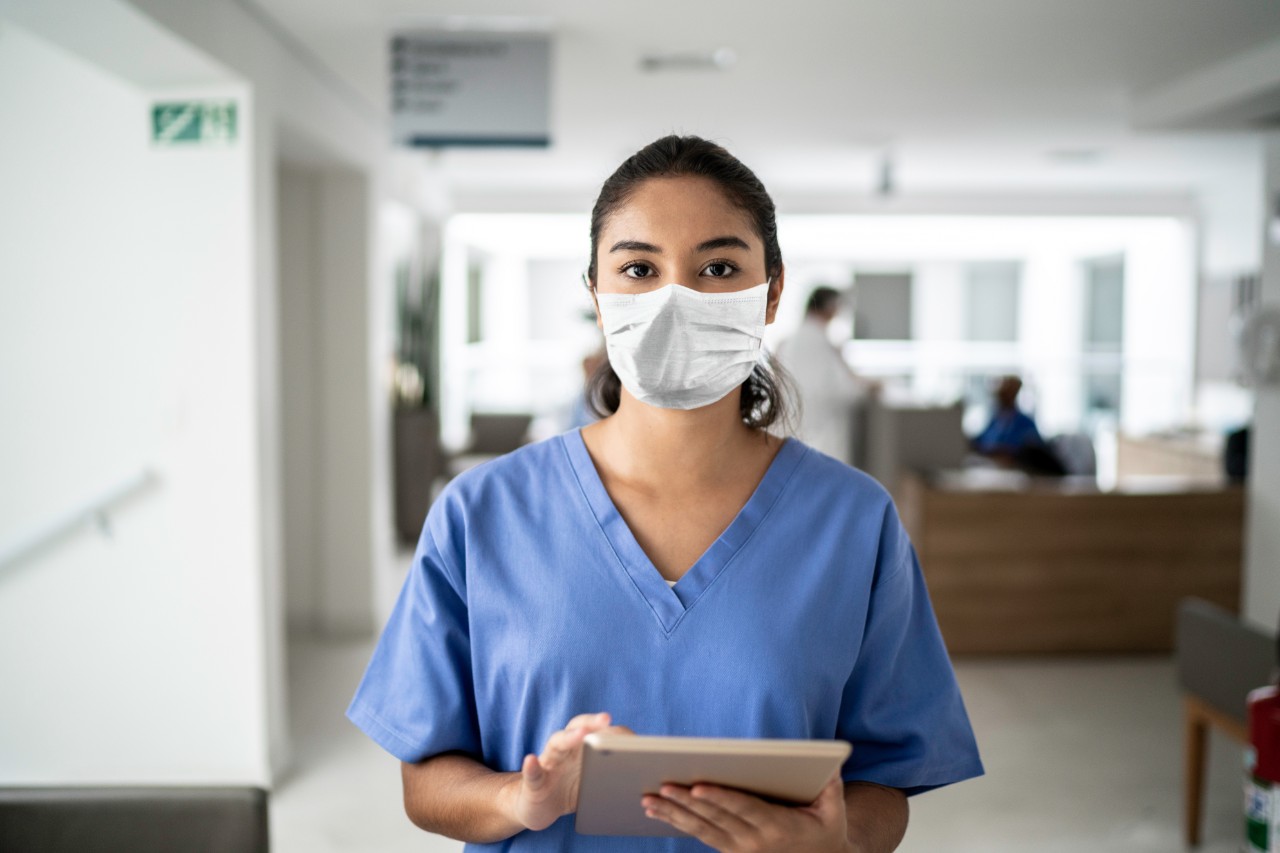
508,801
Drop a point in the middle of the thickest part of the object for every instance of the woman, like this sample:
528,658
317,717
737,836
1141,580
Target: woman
672,569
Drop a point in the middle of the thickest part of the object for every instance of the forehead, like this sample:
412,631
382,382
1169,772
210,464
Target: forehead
677,209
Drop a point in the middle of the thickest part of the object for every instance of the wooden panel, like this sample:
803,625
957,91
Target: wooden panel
1040,571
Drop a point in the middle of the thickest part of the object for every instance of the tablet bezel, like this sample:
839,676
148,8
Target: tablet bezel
618,769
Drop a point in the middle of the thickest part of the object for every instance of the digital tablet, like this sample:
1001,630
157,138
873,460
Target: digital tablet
619,769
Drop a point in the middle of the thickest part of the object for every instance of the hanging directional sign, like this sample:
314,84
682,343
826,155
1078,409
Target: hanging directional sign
459,88
188,122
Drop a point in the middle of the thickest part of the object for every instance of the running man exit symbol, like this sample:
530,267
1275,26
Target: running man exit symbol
181,122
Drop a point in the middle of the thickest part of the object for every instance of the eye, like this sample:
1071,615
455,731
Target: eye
637,269
719,269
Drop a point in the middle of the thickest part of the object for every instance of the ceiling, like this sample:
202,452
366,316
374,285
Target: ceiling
965,94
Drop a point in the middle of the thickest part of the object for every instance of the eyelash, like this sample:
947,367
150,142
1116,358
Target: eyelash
733,268
622,270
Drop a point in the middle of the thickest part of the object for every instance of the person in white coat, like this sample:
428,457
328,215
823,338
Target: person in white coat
829,390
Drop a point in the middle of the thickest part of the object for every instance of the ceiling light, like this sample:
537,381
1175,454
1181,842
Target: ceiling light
719,59
477,23
886,183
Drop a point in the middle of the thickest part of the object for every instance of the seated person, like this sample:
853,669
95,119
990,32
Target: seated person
1011,438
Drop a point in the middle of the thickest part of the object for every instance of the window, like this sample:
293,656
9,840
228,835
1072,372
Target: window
1103,335
991,301
882,306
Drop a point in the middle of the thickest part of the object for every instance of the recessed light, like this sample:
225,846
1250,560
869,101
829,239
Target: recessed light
1075,156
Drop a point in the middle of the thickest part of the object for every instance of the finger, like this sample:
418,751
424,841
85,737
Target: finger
707,809
619,730
660,808
585,720
561,747
750,810
829,806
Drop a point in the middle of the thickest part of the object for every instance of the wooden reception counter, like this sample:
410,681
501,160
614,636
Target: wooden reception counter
1016,565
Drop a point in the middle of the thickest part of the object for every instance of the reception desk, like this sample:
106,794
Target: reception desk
1018,566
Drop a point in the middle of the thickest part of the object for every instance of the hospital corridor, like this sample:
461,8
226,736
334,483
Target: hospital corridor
548,425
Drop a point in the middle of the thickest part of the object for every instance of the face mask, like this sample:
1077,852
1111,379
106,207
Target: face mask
678,348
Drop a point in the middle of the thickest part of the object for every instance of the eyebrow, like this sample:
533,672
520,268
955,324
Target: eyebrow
722,243
635,246
728,242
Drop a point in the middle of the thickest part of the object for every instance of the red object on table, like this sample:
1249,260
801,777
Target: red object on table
1264,732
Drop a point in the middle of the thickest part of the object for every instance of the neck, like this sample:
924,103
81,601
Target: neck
672,446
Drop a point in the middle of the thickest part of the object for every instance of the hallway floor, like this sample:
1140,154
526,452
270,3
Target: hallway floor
1081,755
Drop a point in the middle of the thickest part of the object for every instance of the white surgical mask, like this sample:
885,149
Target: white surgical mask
679,348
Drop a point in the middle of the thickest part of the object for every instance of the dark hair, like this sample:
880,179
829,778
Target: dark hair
821,299
764,397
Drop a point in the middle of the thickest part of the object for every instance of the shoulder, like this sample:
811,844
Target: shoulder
826,478
831,499
517,471
503,493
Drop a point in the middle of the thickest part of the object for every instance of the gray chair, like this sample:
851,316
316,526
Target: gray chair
139,820
1220,659
1075,451
497,433
492,434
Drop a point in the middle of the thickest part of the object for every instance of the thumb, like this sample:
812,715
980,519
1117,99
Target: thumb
831,799
535,776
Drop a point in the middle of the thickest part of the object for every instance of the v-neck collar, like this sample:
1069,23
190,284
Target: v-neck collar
670,603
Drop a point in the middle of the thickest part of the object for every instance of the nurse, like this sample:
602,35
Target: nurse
675,568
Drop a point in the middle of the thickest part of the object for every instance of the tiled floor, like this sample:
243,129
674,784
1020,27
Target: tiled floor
1081,755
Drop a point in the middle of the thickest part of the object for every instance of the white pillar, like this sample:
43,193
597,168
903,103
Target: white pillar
1261,594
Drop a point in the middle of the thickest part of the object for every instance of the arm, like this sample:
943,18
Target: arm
454,795
876,816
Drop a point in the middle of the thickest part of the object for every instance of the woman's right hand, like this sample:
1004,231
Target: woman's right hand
547,786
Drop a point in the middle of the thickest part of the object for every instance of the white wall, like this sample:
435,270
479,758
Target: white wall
286,103
298,108
1262,563
126,340
323,253
298,202
345,425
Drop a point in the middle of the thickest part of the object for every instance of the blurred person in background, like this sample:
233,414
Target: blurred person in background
829,390
1011,437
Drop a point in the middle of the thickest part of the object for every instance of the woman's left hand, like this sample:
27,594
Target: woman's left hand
734,822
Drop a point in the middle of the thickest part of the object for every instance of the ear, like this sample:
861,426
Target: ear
775,295
596,303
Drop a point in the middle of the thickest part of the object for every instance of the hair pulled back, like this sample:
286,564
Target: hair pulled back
763,401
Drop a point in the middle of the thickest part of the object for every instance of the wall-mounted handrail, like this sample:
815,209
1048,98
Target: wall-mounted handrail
93,509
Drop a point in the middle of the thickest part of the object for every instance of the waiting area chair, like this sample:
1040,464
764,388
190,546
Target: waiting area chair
1220,659
138,820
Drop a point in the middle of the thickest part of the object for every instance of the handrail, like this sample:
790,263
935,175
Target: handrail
93,509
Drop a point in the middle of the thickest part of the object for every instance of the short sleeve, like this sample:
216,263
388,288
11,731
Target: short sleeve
901,708
416,698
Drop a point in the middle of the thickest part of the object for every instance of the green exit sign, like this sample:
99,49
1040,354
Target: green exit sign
187,122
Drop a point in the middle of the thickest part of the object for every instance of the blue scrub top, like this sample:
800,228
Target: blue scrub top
1009,431
529,602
